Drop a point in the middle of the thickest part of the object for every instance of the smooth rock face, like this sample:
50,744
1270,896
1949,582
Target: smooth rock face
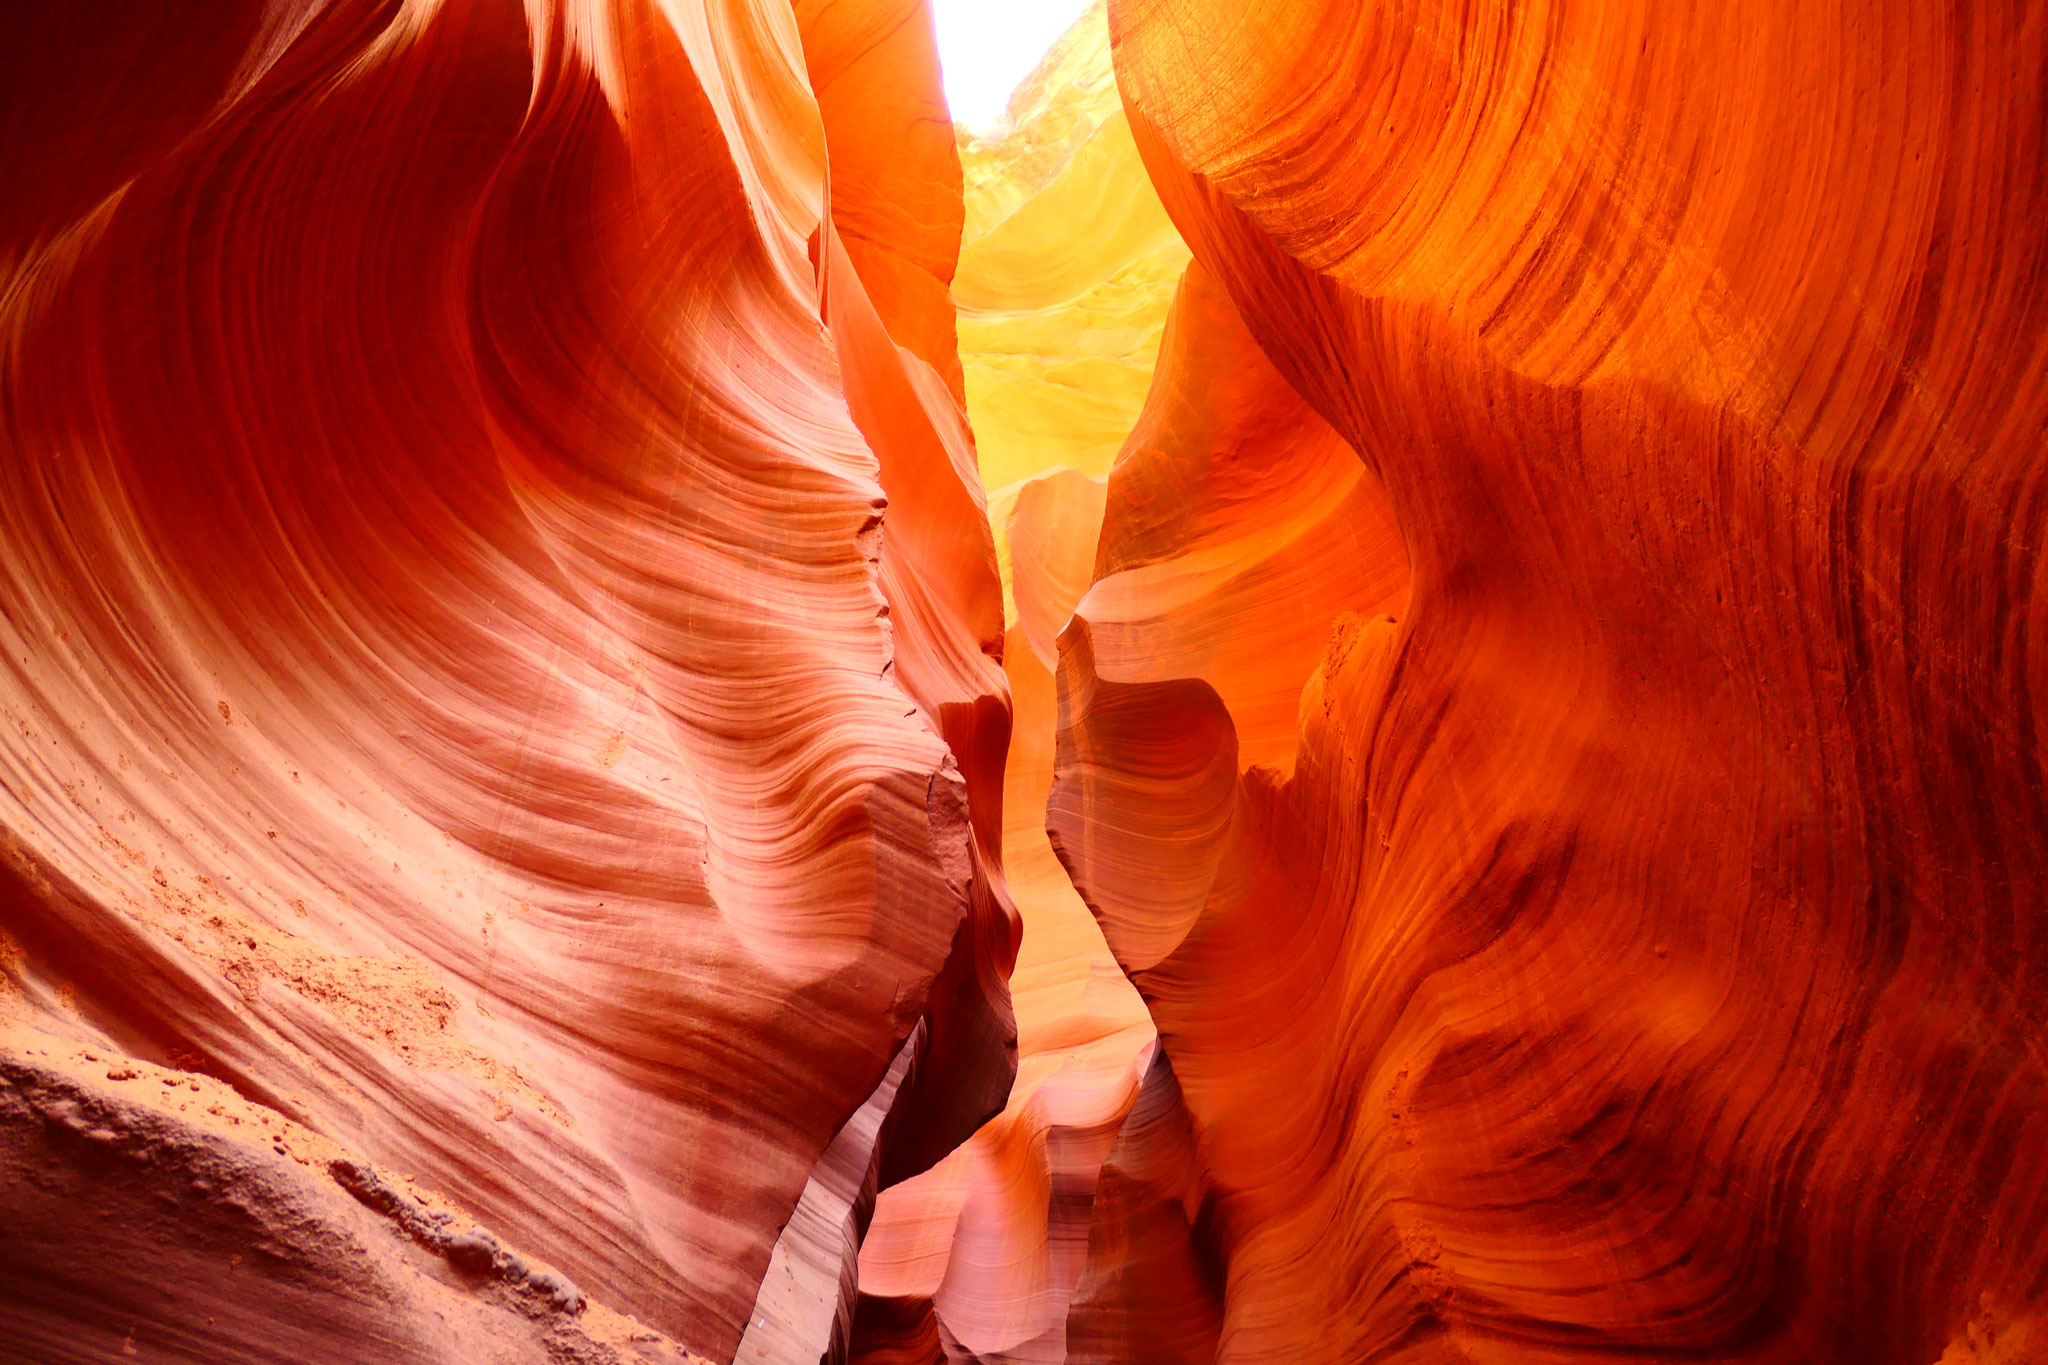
1470,795
1638,951
501,645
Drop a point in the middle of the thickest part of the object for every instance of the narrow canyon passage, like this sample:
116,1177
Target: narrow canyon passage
1357,687
1067,268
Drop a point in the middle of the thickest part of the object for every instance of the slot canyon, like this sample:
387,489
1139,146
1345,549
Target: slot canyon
1357,689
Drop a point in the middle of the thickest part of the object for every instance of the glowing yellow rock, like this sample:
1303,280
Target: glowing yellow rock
1067,265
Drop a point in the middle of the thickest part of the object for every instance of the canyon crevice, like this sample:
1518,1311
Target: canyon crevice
1361,690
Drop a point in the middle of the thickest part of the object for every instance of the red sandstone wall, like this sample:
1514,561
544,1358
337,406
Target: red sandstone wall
1643,957
486,608
515,841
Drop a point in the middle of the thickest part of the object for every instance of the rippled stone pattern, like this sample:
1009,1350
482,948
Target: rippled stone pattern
1470,796
501,642
1635,951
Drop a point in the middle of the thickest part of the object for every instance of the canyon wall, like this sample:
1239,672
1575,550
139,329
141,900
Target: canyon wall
1065,275
1469,794
500,669
1632,948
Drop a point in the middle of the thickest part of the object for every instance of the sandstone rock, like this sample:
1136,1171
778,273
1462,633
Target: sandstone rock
499,639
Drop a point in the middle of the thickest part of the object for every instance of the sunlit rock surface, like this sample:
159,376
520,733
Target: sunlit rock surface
1469,795
1067,264
994,1238
500,656
1637,952
1064,280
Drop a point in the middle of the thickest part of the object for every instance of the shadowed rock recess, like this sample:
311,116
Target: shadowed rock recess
1363,690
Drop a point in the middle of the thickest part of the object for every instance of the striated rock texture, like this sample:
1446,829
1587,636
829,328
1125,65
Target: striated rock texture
1635,949
1471,796
982,1253
1064,279
499,649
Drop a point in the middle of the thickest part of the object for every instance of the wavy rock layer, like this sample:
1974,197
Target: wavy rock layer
982,1253
1635,950
1063,285
499,637
1521,832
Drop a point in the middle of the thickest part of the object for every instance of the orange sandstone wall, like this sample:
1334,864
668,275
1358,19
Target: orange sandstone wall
1485,809
1066,269
500,669
1635,951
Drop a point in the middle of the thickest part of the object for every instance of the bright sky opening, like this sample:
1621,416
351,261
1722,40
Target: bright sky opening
988,47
